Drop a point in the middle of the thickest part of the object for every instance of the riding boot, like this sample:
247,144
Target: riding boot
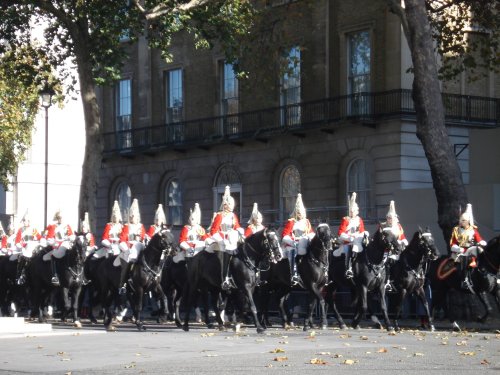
464,260
226,278
55,278
348,264
388,283
293,267
122,285
20,274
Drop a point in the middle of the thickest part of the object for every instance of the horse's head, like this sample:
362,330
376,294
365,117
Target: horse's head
389,241
80,245
272,242
426,244
324,235
163,241
492,251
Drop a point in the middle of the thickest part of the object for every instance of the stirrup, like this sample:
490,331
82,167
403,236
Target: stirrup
21,280
388,287
349,274
55,281
122,290
295,280
466,284
228,283
85,281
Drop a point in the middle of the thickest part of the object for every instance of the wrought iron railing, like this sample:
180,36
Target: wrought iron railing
470,111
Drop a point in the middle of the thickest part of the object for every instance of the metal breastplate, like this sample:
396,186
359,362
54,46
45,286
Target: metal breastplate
226,223
353,226
28,237
465,237
134,230
299,228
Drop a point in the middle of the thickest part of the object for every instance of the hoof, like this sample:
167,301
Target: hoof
210,326
356,327
261,330
390,329
185,328
455,327
343,326
110,328
221,327
78,324
306,328
432,328
237,327
93,321
178,324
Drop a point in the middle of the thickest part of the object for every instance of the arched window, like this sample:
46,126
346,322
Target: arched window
358,180
289,188
123,195
173,202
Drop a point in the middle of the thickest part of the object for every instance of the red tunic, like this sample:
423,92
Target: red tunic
288,229
24,232
217,223
109,234
51,231
344,226
184,236
127,236
466,238
251,229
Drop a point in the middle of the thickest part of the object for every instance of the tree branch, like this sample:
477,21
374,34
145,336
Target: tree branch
162,8
397,9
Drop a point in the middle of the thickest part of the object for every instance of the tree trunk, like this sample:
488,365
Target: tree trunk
94,145
431,130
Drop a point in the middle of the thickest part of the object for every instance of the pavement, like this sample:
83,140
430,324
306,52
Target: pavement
166,349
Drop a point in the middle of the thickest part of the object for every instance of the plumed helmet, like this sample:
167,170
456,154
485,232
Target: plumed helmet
195,214
467,215
227,199
255,214
85,223
352,203
57,215
11,228
160,218
392,212
299,207
134,210
116,214
26,216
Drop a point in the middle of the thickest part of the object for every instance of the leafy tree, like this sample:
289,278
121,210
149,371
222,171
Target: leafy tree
85,36
448,24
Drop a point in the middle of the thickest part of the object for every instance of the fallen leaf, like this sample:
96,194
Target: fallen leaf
467,353
418,354
350,361
132,365
337,356
444,342
345,336
39,347
269,365
363,337
368,352
67,373
212,355
347,344
277,350
391,333
280,359
259,340
282,342
138,354
462,343
317,361
485,362
382,350
61,353
65,359
209,334
323,353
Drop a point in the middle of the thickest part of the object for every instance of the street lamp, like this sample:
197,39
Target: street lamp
46,94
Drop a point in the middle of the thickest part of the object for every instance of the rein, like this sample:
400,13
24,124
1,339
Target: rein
247,261
150,271
495,268
324,265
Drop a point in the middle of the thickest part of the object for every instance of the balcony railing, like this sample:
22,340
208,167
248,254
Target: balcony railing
460,110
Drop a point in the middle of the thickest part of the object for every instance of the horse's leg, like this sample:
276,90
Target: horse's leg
219,305
66,308
163,312
383,306
401,296
483,298
76,306
361,307
331,289
177,303
253,309
137,303
423,299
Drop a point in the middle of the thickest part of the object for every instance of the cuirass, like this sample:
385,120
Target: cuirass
465,237
133,231
227,223
353,226
28,237
115,230
300,228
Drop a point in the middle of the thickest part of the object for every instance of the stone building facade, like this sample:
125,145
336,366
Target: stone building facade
339,119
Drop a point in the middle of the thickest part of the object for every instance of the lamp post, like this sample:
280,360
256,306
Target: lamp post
46,94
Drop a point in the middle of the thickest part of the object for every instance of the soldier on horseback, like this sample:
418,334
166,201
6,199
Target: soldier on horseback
393,225
465,243
59,238
296,236
131,244
226,232
3,239
159,221
27,240
192,237
352,232
9,240
111,235
255,222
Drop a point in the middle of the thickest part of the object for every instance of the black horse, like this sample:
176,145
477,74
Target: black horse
446,276
12,296
313,271
369,273
145,276
173,279
276,283
257,252
409,271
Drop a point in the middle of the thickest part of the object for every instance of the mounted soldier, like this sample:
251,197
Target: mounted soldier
352,232
60,237
3,241
466,242
192,237
131,244
225,233
296,236
393,225
111,235
255,222
27,240
160,220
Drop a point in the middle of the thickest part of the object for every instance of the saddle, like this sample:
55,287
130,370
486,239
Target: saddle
446,268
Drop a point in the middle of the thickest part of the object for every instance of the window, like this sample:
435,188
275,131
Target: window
229,105
358,181
124,113
174,105
124,197
173,202
290,89
359,51
227,175
289,188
